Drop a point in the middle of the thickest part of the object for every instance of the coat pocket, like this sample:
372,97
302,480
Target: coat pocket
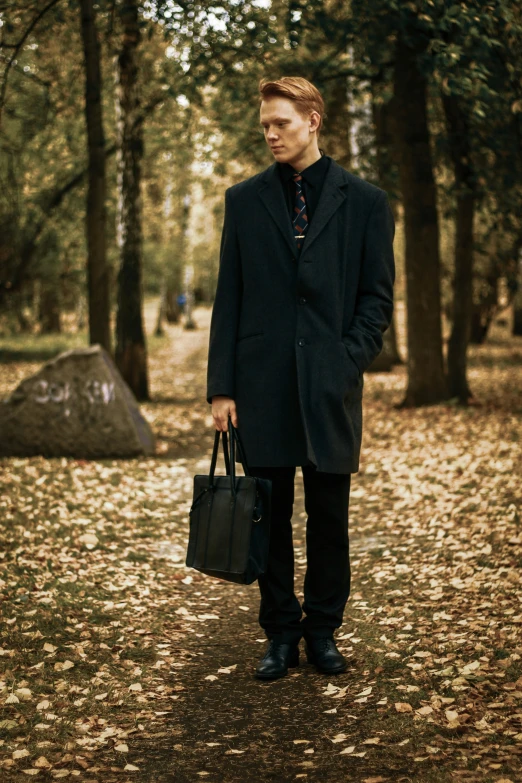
247,337
354,369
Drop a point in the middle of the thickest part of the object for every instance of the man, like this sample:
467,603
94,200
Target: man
304,294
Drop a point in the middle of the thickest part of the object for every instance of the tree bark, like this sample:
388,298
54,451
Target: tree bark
426,380
486,306
131,351
49,314
339,121
381,113
462,306
98,275
517,307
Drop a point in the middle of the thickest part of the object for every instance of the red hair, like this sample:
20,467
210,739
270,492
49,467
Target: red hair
306,97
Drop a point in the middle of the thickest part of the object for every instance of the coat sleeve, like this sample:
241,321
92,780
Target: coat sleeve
225,312
374,302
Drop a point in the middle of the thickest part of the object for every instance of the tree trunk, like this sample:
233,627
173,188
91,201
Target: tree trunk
172,308
517,311
49,314
131,351
385,169
426,381
98,277
162,306
339,146
462,307
517,299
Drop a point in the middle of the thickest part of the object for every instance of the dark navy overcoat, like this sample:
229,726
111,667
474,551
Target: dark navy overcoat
292,333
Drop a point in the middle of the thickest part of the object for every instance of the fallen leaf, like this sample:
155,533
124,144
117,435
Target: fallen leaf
62,666
42,763
24,694
8,724
89,539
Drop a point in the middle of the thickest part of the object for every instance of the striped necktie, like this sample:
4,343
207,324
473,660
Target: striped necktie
300,219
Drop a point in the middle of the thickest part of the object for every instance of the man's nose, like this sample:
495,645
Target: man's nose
271,134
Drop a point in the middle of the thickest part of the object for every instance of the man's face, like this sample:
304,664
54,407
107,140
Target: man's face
287,133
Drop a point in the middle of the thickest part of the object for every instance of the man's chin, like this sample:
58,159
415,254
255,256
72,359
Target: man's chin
282,156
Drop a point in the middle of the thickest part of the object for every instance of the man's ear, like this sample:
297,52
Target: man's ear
315,120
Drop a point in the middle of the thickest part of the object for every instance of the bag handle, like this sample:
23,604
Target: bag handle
230,461
240,448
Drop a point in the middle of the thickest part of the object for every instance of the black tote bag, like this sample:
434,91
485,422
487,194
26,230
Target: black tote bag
229,518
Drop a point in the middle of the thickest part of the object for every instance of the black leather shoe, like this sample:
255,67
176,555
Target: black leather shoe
277,659
323,653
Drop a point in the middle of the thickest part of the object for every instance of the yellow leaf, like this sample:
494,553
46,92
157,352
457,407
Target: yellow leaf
122,747
403,706
130,768
349,749
20,754
42,763
62,666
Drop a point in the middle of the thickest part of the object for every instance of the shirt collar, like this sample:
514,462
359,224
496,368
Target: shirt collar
313,174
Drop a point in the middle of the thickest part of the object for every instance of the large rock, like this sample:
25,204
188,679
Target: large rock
77,405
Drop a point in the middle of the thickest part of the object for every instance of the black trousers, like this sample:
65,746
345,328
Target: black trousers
327,578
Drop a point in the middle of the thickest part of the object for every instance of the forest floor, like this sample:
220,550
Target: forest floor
117,663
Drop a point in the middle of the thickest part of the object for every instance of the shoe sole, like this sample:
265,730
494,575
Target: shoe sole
292,665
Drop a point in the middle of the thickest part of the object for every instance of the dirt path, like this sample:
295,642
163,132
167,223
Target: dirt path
140,669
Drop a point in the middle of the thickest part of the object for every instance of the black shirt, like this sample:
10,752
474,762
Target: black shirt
313,178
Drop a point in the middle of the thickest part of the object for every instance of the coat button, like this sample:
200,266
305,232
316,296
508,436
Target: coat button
302,300
301,341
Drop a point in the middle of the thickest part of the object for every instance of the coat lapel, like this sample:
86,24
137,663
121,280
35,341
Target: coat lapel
272,196
332,195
